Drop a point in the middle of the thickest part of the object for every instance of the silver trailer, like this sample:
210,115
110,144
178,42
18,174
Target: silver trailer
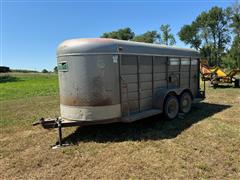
107,80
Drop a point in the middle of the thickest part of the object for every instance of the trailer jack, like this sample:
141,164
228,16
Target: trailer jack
50,124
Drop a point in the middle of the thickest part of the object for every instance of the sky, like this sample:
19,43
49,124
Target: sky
32,30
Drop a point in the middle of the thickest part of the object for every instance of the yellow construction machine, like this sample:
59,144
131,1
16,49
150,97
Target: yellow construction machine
218,77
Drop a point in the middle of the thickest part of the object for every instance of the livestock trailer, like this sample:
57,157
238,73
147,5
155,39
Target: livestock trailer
106,80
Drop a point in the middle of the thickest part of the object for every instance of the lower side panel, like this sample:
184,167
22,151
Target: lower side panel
141,115
90,113
54,123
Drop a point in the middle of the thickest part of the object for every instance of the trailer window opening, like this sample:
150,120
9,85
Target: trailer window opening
62,66
194,62
174,61
185,61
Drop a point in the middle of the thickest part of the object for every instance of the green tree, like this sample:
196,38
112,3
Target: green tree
123,34
235,17
235,25
233,56
218,23
55,70
44,71
189,35
209,30
147,37
166,37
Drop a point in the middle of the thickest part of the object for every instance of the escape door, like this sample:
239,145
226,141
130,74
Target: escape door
173,73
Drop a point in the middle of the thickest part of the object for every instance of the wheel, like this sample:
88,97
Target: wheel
215,86
185,102
171,107
237,83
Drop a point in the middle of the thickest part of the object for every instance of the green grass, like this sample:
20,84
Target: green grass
20,85
205,144
24,92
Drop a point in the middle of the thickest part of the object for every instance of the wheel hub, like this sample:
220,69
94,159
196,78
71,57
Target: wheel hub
172,108
185,103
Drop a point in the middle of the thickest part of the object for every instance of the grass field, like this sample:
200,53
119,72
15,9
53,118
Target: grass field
205,144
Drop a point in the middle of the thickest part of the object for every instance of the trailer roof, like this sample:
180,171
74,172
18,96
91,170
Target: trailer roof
113,46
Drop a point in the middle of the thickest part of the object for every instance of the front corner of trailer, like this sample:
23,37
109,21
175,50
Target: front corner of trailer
89,88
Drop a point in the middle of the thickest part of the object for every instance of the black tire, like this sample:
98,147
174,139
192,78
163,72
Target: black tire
185,102
171,107
237,83
215,86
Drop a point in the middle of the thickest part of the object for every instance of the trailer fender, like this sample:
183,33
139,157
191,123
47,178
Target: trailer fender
160,96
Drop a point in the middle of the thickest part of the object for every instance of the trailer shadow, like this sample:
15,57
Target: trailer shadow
226,86
154,128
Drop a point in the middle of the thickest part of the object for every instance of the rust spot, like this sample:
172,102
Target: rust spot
77,101
96,95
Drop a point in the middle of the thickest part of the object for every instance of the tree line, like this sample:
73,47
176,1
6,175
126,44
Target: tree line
163,37
215,33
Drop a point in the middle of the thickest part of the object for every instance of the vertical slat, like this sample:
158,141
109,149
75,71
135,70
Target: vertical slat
120,81
167,64
152,80
179,76
190,65
198,75
138,82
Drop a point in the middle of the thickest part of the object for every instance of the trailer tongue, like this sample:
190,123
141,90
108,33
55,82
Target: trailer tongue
60,123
